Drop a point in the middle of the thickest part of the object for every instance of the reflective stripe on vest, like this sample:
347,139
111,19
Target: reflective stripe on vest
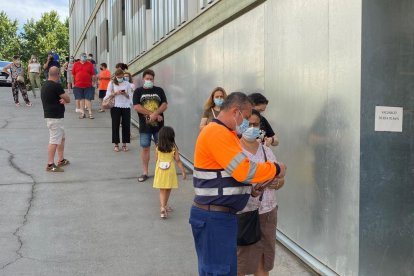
206,191
226,191
237,190
205,175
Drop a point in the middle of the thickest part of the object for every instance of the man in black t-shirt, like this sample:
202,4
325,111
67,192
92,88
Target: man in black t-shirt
150,103
53,99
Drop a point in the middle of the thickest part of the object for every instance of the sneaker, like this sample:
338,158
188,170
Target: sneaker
54,168
62,163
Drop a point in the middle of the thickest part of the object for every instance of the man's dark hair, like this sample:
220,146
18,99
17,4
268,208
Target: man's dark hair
148,72
238,99
255,112
16,57
104,65
91,55
258,99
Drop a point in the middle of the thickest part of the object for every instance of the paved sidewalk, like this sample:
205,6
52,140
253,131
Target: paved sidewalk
95,218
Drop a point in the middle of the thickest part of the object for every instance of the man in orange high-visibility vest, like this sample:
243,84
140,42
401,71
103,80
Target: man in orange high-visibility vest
222,179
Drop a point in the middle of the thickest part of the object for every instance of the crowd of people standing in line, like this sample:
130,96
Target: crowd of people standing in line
232,153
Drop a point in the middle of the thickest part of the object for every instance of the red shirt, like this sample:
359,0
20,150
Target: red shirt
82,74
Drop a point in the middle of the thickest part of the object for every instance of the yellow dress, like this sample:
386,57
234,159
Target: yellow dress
165,179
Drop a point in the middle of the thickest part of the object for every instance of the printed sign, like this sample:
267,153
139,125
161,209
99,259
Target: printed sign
388,118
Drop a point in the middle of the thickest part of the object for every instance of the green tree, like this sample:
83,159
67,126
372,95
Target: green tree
39,37
9,40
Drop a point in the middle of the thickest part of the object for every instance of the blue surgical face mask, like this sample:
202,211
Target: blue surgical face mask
83,58
251,134
126,78
120,79
148,84
240,129
218,101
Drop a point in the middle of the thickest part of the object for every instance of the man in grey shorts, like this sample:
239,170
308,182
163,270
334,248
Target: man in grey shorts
54,99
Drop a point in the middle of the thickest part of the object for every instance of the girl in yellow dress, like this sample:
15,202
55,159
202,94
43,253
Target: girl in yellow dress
165,177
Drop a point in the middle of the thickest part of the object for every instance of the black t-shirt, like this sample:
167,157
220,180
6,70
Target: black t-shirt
150,99
265,126
50,95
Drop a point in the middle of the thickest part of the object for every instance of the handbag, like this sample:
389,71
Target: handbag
249,231
164,165
20,79
109,102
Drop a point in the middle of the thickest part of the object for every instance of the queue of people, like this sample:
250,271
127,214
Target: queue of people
235,171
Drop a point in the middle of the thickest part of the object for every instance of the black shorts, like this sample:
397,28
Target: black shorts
102,94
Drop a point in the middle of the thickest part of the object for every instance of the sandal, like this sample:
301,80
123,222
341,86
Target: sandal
17,104
168,208
142,178
63,162
82,116
163,213
125,149
91,116
116,148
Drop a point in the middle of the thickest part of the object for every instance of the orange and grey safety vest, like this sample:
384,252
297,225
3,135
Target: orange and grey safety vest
223,175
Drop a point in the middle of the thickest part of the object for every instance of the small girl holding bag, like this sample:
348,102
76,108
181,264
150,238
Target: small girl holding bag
165,177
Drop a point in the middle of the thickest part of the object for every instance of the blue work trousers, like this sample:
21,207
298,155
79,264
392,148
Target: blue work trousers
215,238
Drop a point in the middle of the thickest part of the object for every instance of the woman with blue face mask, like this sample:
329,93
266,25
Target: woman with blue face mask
212,106
258,258
122,91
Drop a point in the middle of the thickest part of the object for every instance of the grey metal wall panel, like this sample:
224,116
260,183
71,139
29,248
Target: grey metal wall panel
312,51
387,159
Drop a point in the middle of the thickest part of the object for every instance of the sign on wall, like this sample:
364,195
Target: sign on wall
388,118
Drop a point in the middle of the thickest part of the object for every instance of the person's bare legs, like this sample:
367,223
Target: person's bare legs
77,102
81,106
88,104
61,150
164,196
51,151
145,156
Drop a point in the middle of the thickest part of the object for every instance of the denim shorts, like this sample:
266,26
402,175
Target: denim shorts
145,139
84,93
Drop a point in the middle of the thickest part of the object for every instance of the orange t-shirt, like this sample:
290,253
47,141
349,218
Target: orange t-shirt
104,79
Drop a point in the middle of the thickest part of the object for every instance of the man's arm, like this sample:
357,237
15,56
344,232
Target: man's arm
46,64
140,109
5,68
65,97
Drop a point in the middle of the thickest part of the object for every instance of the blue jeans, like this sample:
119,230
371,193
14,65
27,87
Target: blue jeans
145,138
215,238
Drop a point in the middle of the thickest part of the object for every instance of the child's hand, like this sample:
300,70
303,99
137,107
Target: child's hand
184,175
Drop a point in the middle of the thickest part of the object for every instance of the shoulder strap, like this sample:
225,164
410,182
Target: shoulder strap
264,152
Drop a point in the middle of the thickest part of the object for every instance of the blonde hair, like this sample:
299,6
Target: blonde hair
31,58
210,101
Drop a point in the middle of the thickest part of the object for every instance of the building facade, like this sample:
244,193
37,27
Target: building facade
347,207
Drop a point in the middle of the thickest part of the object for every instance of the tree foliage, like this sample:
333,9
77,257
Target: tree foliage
9,40
36,38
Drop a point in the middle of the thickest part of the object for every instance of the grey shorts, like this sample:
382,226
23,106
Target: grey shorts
56,130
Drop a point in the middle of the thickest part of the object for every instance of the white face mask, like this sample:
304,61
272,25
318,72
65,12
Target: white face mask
34,60
120,79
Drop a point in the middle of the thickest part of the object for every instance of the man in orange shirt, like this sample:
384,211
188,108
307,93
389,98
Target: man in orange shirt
223,177
104,78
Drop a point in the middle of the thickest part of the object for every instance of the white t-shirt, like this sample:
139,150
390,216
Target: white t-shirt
34,67
120,100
